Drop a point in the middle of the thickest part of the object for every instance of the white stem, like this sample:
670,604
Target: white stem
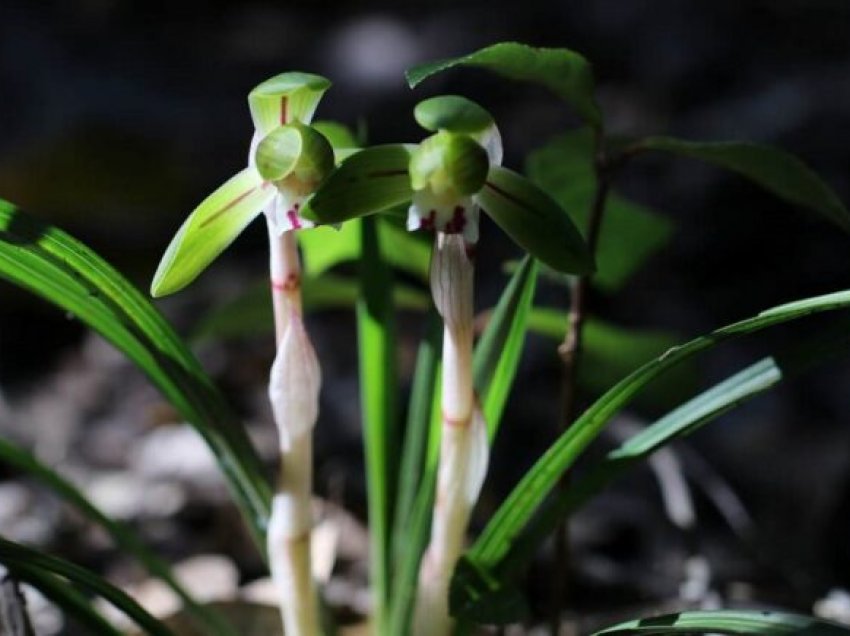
293,390
463,444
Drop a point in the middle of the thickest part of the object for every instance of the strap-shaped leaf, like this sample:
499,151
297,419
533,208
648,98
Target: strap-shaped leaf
453,113
15,556
773,169
515,512
565,72
123,535
534,221
286,98
498,351
62,270
370,181
213,225
728,622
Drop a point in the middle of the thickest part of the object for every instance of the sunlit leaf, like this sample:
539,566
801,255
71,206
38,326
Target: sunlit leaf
65,272
325,247
499,349
532,219
210,228
376,341
773,169
729,622
562,71
630,233
370,181
286,98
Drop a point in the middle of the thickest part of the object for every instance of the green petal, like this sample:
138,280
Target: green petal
214,224
533,219
453,113
286,98
370,181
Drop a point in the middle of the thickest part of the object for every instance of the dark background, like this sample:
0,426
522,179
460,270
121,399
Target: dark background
117,117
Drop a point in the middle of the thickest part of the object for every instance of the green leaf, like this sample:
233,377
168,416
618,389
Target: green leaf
65,272
325,247
284,99
515,512
534,221
630,233
564,72
121,534
413,476
18,558
452,113
370,181
499,349
729,622
210,228
72,603
376,339
773,169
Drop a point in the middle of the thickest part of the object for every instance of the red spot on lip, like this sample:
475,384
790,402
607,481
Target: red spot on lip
457,222
293,218
428,222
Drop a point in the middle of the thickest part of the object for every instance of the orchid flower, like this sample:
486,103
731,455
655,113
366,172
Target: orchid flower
287,161
446,180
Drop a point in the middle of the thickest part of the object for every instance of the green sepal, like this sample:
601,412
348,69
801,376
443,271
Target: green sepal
210,228
449,163
453,113
286,98
534,221
370,181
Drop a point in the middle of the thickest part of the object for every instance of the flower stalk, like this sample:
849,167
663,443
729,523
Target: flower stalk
294,395
463,443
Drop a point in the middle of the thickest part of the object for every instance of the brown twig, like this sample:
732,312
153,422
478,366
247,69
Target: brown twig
570,351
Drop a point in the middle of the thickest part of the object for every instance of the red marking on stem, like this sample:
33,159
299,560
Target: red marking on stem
456,422
283,110
292,215
227,207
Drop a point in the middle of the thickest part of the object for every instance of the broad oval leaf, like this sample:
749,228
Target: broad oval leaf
773,169
370,181
286,98
210,228
534,221
565,72
728,622
453,113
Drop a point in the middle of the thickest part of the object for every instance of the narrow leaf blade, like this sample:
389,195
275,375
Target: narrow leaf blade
729,622
498,351
535,221
566,73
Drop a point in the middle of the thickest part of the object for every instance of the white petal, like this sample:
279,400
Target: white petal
491,139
